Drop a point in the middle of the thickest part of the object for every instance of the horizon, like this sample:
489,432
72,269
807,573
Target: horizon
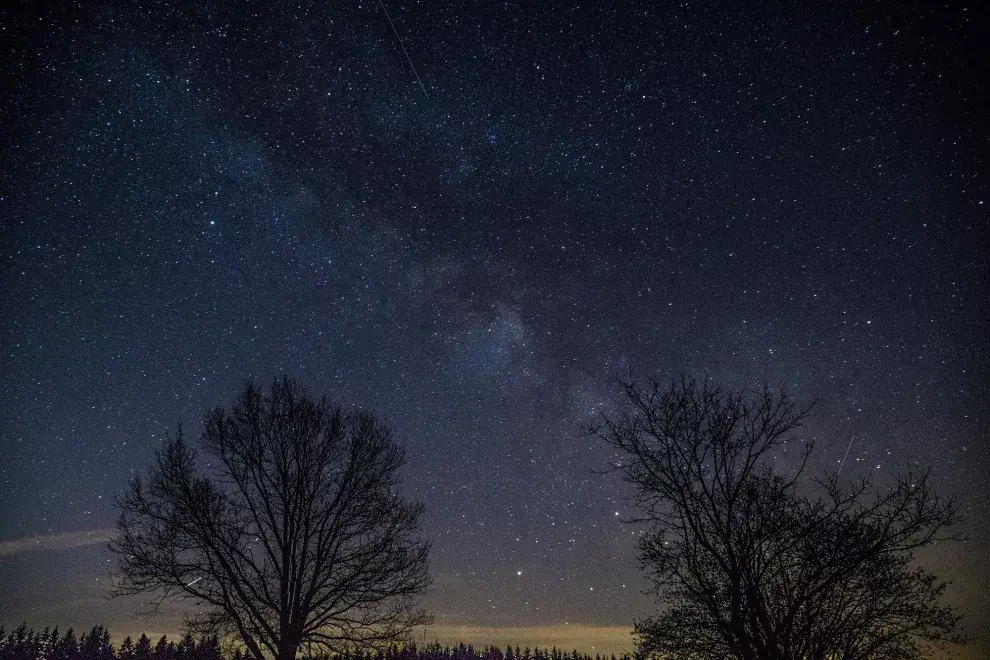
471,221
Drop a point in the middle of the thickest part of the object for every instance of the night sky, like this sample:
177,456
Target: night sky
473,242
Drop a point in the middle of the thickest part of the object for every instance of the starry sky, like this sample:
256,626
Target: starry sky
471,225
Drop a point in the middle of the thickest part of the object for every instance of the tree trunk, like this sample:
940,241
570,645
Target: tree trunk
287,647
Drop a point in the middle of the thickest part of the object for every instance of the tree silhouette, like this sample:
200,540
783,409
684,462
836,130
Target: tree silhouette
67,648
295,538
142,650
24,643
96,644
164,649
749,566
208,648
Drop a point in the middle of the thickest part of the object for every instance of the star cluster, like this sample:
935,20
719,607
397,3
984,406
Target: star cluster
474,242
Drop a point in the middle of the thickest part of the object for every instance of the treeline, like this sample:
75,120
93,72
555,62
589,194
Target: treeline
26,644
466,652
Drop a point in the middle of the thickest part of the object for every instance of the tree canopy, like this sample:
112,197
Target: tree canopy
294,536
753,562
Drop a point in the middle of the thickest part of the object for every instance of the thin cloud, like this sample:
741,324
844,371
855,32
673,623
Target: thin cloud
59,541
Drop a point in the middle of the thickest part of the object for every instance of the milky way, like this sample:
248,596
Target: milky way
474,239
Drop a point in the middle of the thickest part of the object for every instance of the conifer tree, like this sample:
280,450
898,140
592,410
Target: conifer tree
208,648
67,647
164,649
186,647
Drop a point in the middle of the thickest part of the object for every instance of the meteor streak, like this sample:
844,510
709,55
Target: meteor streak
852,439
405,52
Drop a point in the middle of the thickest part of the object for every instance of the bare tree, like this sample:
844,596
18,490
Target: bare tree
296,536
748,566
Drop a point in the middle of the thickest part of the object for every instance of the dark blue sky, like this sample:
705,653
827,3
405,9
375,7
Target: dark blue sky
196,193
